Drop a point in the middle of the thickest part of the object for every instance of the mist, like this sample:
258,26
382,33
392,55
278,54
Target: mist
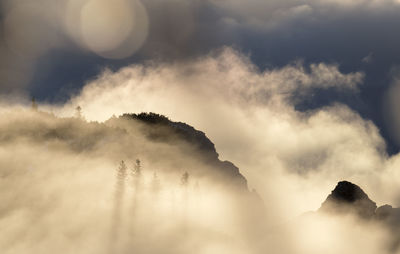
187,126
65,188
251,117
125,185
99,181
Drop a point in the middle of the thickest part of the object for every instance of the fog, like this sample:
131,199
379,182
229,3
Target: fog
251,117
79,176
64,187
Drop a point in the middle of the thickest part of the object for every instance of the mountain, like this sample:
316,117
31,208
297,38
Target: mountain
348,197
161,144
118,187
159,128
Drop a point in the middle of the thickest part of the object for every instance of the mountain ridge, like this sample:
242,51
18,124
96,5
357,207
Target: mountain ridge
349,198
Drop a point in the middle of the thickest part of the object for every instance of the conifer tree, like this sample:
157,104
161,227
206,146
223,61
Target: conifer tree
185,179
137,168
34,104
121,172
118,204
78,112
136,173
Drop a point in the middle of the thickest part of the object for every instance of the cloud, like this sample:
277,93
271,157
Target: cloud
61,190
234,79
49,52
292,158
262,15
251,117
368,59
63,178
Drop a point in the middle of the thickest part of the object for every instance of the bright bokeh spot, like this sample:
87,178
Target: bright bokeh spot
105,25
111,29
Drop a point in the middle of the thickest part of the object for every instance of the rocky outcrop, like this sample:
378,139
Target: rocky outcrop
349,198
159,128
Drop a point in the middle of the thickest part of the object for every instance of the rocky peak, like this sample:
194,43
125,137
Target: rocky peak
159,128
349,198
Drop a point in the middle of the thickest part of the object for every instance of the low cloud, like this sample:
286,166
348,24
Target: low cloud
68,189
64,188
250,115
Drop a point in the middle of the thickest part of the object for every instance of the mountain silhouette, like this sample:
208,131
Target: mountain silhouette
158,128
348,197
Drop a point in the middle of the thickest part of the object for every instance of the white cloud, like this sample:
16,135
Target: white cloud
251,118
294,159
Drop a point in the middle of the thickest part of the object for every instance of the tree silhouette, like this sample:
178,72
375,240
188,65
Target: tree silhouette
136,173
34,104
118,205
78,112
184,200
185,179
137,169
121,171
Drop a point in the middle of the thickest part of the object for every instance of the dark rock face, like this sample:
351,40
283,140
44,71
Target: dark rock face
161,129
383,212
349,198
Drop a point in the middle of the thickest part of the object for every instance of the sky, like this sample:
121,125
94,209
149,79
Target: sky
51,53
298,94
293,58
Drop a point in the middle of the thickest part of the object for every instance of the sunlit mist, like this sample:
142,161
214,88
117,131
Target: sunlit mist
199,127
